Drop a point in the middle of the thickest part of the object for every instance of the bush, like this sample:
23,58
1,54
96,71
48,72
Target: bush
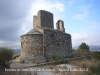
83,47
5,55
57,58
96,55
79,53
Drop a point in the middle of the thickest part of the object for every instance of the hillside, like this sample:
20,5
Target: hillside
15,50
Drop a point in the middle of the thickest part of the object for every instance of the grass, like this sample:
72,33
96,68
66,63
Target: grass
57,58
96,55
79,53
92,65
37,62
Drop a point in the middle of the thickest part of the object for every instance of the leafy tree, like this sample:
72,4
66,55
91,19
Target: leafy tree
83,47
5,56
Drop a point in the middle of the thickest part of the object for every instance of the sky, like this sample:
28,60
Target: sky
81,19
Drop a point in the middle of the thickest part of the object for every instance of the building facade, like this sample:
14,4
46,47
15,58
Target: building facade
43,41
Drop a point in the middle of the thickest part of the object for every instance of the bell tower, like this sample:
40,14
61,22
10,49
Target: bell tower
43,19
60,25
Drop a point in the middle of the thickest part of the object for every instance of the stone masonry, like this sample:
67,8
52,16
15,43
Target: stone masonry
60,25
43,41
43,19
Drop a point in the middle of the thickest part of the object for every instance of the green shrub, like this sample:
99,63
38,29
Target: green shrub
96,55
57,58
83,47
5,55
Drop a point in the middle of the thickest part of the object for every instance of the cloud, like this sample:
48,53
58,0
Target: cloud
10,44
89,33
46,5
71,2
54,7
91,27
84,9
90,39
80,16
12,15
16,18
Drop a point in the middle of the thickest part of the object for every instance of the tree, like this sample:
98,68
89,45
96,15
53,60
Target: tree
5,56
83,47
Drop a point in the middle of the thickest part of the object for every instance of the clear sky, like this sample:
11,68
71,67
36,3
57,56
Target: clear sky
81,19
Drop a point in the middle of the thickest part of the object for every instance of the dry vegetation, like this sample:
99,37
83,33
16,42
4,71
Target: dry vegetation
92,65
76,53
37,62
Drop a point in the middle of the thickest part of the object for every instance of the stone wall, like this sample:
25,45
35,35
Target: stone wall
36,21
31,45
57,43
43,39
43,19
60,25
